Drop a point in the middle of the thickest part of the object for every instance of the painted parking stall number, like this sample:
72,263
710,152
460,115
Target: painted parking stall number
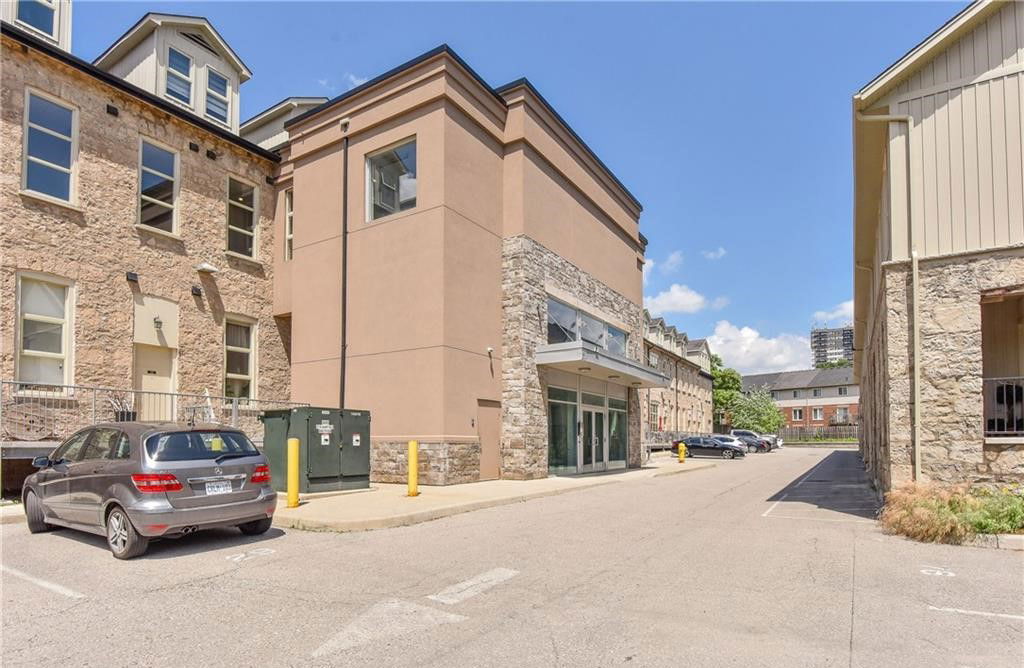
938,571
251,554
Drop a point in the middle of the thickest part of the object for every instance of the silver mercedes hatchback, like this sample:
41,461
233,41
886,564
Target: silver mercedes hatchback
136,481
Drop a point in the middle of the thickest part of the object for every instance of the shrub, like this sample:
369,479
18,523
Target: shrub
951,514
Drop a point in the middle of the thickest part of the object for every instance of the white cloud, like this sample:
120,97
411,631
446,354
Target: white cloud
677,299
648,268
713,254
842,313
672,262
354,81
744,349
719,303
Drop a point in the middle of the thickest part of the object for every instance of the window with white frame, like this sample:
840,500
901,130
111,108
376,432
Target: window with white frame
817,414
652,417
50,147
391,180
289,229
241,217
40,15
158,186
842,414
44,334
179,76
816,392
238,359
843,391
798,414
217,101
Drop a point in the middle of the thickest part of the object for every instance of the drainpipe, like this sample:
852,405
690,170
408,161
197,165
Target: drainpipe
915,331
344,265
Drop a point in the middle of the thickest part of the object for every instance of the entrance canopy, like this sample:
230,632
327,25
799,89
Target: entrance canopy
587,359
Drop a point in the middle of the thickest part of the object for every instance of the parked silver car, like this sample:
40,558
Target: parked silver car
133,481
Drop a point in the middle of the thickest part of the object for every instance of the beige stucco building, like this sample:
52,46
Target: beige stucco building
684,407
939,255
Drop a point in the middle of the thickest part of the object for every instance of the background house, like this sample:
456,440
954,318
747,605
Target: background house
815,398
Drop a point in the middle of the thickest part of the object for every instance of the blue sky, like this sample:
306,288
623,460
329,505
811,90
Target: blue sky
730,122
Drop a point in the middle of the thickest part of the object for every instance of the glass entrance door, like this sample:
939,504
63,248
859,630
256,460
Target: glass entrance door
593,455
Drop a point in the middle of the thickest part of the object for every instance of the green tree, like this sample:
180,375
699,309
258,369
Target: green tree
835,364
757,411
725,387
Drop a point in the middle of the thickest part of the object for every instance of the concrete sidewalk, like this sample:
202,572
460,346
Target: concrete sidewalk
388,506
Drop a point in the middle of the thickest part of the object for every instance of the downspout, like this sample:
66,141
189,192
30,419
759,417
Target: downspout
915,330
344,265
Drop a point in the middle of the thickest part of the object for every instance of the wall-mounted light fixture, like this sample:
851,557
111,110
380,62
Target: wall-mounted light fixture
583,369
211,154
197,291
131,277
112,110
194,147
613,377
158,324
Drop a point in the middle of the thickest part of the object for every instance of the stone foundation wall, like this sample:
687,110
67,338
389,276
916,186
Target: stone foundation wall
440,463
527,267
953,447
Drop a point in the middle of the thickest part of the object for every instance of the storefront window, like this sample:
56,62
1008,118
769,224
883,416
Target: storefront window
561,431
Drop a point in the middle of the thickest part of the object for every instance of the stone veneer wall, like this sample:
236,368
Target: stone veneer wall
952,423
527,267
440,463
95,243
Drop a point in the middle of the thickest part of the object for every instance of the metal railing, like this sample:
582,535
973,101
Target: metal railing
1004,406
34,412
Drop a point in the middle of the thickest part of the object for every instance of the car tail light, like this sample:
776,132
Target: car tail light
151,483
261,474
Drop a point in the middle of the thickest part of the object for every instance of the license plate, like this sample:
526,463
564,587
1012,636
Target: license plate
219,487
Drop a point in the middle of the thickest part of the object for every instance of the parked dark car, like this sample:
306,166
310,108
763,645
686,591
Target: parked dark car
754,444
133,481
709,447
769,443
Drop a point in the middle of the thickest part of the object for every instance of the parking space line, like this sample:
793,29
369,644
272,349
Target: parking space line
45,584
783,498
470,588
820,519
977,612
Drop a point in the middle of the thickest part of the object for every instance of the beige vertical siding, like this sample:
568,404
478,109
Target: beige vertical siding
966,144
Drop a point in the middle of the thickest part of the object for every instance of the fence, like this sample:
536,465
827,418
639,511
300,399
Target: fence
850,433
33,412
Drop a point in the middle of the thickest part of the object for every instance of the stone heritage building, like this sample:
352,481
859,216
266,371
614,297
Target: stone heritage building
684,407
811,398
137,237
939,255
449,255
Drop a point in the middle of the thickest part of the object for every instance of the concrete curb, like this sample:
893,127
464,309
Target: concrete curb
408,519
696,467
1001,541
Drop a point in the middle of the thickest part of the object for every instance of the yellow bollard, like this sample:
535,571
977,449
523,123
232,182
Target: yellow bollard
682,453
293,473
414,468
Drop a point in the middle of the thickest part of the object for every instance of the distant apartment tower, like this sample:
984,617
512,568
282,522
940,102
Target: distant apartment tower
832,344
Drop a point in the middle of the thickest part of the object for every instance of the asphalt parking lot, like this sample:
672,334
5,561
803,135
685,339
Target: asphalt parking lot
770,560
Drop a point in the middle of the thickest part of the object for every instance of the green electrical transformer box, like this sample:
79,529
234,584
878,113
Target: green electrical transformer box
334,447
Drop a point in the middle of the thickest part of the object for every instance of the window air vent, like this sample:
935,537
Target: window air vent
200,40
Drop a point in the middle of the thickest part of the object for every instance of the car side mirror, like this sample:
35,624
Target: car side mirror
41,462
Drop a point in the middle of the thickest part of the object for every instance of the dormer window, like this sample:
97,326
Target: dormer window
179,76
40,15
216,95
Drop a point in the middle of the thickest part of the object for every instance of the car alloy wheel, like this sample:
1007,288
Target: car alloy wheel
122,538
728,454
751,448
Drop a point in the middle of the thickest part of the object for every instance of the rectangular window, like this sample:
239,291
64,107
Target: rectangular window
39,15
798,414
816,392
796,393
44,333
50,146
241,217
391,180
238,358
652,417
179,76
653,358
616,341
217,103
842,414
817,414
561,322
843,391
157,187
289,228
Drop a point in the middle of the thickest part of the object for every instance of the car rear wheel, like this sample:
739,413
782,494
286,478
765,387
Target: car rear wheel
751,448
256,527
728,454
122,538
34,514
